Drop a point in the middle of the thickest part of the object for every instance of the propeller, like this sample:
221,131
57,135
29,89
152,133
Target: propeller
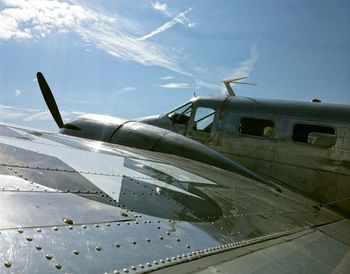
51,103
235,81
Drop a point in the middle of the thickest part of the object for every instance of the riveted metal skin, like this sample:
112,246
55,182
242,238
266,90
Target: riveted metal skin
103,208
322,173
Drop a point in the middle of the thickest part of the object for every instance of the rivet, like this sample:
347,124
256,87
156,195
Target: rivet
149,264
155,262
167,233
29,239
83,226
108,224
116,272
161,238
162,261
98,248
188,246
158,227
48,256
126,270
58,266
178,239
8,263
141,266
38,230
168,259
20,230
68,221
133,268
117,245
55,228
134,242
70,227
38,247
96,225
76,252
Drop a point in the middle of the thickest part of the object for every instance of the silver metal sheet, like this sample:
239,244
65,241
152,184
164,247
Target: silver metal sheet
31,209
311,253
339,230
150,211
16,183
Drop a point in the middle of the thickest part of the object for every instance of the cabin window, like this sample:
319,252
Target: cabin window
256,127
320,136
182,114
203,120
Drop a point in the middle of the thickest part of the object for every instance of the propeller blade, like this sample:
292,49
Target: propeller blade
49,99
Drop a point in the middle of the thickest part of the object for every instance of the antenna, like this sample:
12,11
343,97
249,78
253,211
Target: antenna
235,81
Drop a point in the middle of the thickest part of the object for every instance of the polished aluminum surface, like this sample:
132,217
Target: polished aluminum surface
102,208
322,173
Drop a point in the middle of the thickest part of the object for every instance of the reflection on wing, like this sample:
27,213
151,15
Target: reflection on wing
82,208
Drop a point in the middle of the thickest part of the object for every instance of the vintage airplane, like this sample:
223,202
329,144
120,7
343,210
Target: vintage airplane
305,145
76,205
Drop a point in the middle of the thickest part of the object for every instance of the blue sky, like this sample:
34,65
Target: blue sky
141,58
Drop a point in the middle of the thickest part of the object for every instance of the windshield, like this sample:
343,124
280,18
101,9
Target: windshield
203,119
182,114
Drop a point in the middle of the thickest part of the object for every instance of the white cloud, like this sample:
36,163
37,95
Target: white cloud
8,113
125,89
17,92
11,113
36,19
166,78
176,85
179,19
208,85
247,66
160,7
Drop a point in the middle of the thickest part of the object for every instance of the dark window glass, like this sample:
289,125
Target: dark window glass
320,136
256,127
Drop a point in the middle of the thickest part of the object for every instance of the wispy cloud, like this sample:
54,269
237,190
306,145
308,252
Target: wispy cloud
208,85
179,19
17,92
125,89
8,113
166,78
115,34
247,66
176,85
163,7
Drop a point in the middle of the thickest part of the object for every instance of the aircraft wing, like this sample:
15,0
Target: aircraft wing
70,205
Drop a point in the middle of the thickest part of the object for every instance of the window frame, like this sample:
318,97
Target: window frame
203,118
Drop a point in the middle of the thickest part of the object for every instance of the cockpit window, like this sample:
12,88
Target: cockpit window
203,119
182,114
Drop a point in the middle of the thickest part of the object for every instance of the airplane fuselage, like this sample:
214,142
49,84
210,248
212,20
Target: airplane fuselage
301,144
